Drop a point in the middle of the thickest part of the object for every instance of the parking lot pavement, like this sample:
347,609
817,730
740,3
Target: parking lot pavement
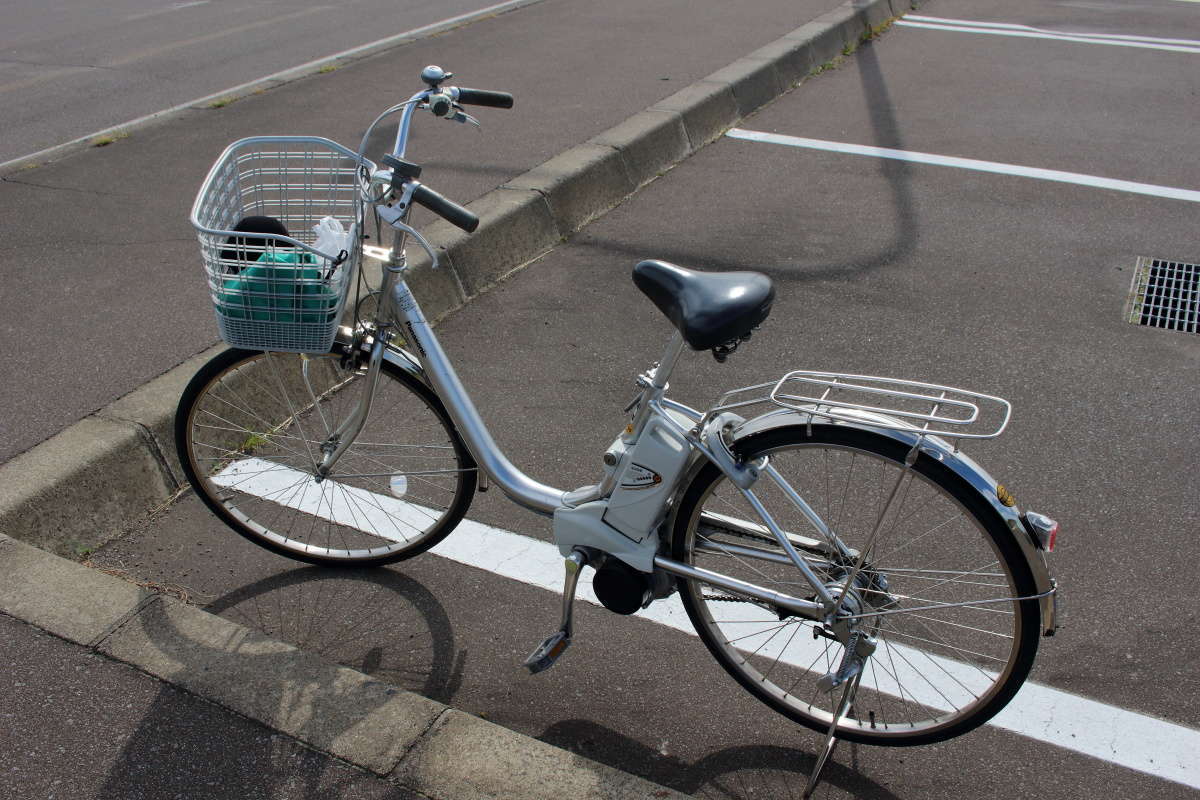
77,725
98,252
1006,283
69,73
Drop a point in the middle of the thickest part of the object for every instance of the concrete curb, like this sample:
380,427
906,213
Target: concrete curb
73,492
419,743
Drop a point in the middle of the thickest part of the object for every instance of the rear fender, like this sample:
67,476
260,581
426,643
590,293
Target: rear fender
952,458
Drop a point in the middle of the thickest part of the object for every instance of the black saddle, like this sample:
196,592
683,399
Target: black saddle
708,308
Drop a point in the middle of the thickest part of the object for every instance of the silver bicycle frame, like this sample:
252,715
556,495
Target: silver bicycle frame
521,488
539,497
400,307
405,311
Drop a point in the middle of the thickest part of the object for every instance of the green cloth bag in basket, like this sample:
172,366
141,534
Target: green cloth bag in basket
274,290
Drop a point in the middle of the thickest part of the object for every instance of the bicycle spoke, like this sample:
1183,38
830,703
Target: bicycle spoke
910,544
248,437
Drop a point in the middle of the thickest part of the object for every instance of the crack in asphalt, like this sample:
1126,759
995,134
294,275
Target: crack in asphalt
54,64
11,179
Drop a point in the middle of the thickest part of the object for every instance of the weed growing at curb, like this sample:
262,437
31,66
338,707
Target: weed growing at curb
876,31
252,441
325,70
832,63
221,102
870,34
107,139
181,593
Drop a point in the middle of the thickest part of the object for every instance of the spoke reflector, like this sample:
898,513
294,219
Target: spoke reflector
349,506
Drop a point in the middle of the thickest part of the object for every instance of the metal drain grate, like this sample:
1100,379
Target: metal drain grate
1165,294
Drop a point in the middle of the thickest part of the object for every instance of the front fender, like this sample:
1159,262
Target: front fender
396,356
406,361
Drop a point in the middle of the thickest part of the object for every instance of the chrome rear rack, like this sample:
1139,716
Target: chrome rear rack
890,403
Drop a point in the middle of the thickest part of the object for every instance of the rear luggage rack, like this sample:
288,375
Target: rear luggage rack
889,403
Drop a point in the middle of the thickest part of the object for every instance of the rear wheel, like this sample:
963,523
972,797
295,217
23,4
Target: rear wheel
249,431
945,660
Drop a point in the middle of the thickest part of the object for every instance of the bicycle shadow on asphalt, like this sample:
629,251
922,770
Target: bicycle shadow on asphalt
897,174
379,622
390,626
187,747
747,771
345,616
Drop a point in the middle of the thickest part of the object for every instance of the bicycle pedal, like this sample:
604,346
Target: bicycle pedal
547,652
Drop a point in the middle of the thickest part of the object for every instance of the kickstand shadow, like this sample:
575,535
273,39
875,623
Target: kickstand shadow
745,771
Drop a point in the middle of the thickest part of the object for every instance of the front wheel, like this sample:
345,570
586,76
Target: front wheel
249,431
945,660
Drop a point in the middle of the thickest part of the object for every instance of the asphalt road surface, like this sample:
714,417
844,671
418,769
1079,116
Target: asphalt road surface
69,69
996,279
97,250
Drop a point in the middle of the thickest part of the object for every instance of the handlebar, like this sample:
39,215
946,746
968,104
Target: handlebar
445,208
442,102
447,99
485,97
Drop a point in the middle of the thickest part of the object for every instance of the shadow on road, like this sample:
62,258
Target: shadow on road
378,621
885,132
736,773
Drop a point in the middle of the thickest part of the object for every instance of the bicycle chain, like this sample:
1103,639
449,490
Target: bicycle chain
817,631
728,598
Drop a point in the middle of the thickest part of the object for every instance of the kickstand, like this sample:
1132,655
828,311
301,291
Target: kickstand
844,705
549,650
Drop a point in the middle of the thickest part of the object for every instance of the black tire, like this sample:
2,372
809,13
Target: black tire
935,674
248,431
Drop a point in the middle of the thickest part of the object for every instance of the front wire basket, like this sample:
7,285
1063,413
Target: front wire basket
892,403
273,291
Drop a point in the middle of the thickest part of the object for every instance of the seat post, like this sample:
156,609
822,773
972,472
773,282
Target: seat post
666,364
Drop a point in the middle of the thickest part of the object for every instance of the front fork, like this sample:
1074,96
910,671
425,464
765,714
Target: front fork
337,441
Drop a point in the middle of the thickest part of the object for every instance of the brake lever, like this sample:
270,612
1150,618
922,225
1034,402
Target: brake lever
394,217
464,117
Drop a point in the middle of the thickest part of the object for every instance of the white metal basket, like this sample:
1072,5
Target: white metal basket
272,291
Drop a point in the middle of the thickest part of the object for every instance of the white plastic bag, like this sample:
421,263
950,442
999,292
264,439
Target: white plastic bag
332,239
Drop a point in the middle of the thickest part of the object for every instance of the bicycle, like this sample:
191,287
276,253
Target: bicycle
837,552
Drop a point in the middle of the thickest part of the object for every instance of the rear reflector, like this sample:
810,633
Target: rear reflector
1043,529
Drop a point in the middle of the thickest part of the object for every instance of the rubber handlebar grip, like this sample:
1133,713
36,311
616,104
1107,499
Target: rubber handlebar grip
445,208
485,97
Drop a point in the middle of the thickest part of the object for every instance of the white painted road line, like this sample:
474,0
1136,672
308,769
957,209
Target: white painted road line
169,9
996,167
1026,32
1017,27
1128,739
1135,741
